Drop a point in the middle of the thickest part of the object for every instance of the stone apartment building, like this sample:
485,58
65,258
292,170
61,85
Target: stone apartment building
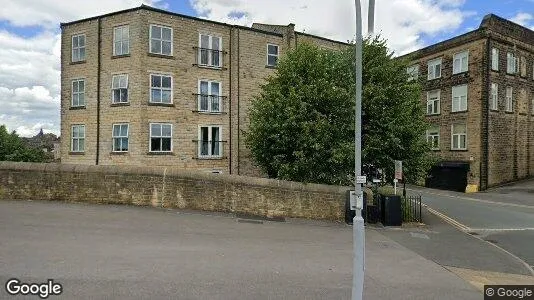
145,86
478,90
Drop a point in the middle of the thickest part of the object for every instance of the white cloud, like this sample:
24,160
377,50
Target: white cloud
524,19
26,110
50,12
402,22
30,67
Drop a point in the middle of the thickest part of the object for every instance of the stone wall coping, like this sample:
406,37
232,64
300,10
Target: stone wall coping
173,172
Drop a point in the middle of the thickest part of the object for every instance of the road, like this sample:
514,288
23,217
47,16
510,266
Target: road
504,217
125,252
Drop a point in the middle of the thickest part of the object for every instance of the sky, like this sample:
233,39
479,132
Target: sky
30,36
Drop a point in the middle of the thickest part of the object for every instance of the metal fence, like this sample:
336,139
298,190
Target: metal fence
411,209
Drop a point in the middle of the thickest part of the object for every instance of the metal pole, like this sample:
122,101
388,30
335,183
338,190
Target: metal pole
371,17
358,233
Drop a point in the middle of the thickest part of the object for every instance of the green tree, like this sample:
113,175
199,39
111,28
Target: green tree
13,148
302,123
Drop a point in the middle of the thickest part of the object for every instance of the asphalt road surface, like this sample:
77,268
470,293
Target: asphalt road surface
503,218
125,252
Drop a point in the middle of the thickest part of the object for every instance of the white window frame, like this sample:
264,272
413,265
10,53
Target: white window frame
122,41
210,96
274,55
459,101
460,57
79,137
495,59
119,87
431,66
120,137
160,40
161,89
413,72
161,137
511,63
78,92
210,51
433,135
210,155
78,49
433,103
458,146
494,100
509,104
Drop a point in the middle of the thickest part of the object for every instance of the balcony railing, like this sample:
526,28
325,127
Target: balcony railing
209,149
210,103
210,58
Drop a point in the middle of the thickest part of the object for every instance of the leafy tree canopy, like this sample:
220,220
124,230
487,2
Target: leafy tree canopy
302,123
13,148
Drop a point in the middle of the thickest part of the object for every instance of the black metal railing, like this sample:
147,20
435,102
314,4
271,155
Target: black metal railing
411,209
212,58
209,149
209,103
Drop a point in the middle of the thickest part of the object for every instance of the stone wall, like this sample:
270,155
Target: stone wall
170,188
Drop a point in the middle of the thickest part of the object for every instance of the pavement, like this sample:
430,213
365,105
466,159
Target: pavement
126,252
503,216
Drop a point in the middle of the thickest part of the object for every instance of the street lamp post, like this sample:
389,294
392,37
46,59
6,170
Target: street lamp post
358,232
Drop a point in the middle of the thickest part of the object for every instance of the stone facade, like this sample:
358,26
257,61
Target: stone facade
171,188
243,70
500,143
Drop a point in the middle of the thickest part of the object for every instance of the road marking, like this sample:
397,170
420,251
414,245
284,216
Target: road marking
449,220
474,199
467,230
501,229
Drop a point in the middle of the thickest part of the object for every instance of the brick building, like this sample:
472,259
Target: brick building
479,97
145,86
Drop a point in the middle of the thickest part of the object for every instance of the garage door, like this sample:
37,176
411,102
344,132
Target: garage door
448,175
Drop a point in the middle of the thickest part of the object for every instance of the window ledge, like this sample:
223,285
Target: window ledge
161,55
458,112
459,150
209,112
159,153
120,104
210,157
76,153
271,67
493,110
210,67
461,73
509,112
77,107
161,104
432,115
493,70
431,79
118,153
77,62
120,56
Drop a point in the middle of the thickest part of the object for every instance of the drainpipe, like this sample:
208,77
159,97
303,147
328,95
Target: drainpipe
98,90
238,103
230,101
486,127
